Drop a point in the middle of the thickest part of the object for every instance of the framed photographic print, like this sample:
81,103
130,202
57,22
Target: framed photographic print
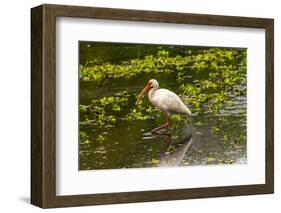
136,106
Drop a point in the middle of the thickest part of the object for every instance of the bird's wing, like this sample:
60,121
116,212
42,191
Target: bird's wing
169,100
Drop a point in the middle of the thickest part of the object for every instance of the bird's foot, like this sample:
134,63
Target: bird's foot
155,130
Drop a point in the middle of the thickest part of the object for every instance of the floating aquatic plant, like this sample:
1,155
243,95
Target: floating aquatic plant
224,80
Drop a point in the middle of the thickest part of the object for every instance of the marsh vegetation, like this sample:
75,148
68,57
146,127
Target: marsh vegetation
114,130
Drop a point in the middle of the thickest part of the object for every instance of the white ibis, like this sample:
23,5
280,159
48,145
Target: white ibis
165,100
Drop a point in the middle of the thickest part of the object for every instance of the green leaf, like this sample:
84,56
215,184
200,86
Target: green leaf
210,159
154,161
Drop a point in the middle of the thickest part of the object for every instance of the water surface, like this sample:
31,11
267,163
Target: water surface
202,139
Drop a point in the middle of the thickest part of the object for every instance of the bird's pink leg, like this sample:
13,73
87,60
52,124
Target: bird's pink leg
168,120
167,124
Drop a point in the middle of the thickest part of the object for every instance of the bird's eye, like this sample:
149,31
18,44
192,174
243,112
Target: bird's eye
151,86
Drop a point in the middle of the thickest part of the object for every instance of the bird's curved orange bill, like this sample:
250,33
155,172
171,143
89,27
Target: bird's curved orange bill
145,89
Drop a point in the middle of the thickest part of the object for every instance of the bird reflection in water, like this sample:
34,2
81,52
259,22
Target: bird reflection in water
179,146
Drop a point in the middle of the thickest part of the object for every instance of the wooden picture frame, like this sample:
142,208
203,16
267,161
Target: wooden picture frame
43,105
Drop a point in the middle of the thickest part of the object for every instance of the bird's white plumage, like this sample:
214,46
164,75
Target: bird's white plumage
167,101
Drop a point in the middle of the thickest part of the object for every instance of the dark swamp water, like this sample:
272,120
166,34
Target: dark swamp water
115,136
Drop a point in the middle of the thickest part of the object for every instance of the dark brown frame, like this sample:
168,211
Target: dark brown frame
43,106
